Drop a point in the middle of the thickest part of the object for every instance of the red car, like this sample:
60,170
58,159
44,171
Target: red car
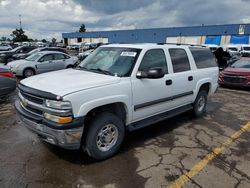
237,74
7,82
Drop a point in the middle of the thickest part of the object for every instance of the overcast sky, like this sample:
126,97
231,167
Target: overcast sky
50,18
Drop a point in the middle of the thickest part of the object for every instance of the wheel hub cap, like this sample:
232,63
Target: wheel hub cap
107,137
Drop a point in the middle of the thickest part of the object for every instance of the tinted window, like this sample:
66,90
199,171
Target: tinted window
59,56
179,60
152,59
66,57
203,58
48,57
242,63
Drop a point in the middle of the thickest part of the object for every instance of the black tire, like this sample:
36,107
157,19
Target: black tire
9,60
69,67
94,136
200,103
28,72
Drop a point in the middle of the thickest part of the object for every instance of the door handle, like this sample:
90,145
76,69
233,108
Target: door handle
168,82
190,78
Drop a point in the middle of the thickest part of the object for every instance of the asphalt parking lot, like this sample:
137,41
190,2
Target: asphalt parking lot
212,151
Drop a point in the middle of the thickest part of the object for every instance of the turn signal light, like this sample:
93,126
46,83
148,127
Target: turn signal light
58,119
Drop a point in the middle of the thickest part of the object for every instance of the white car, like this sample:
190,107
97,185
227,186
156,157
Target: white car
42,62
116,88
245,50
5,47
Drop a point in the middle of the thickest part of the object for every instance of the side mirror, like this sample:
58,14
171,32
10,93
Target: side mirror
153,73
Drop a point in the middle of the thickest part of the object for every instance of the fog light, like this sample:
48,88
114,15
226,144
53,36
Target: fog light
58,119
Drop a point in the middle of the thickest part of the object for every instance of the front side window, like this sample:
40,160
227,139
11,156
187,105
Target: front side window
111,60
59,56
179,60
48,57
154,59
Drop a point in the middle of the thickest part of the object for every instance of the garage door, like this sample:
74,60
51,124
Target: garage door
236,39
191,40
172,40
213,40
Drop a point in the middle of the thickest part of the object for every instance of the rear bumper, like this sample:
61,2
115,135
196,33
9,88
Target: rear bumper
65,137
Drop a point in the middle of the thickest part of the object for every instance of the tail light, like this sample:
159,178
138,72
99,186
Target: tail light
7,74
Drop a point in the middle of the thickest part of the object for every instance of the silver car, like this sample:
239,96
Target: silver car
42,62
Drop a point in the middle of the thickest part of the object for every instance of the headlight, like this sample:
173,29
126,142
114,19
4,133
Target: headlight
61,105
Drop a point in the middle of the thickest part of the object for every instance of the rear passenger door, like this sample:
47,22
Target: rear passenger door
182,77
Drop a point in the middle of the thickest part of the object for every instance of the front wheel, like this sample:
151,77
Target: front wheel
104,137
200,103
28,73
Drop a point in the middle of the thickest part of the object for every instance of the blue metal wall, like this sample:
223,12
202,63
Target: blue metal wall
160,34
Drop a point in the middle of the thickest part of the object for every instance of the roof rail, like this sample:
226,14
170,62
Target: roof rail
178,44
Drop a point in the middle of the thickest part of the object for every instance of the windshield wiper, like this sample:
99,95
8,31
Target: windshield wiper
102,71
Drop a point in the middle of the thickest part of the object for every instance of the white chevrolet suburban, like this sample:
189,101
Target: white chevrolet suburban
118,87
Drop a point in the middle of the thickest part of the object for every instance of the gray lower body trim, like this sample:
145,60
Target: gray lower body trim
147,104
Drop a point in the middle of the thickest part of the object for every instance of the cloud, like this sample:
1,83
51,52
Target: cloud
50,18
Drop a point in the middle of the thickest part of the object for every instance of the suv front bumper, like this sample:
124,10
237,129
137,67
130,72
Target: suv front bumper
66,137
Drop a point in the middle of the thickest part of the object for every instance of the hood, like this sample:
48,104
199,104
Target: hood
236,71
6,52
17,62
68,81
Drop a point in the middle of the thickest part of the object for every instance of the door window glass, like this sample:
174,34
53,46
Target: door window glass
179,60
154,59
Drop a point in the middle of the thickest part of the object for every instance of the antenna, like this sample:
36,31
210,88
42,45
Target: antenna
20,21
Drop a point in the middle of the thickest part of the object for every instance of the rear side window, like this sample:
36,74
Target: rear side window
203,58
179,60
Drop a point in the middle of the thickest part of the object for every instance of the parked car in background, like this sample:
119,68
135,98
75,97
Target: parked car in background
237,74
61,45
7,82
245,50
41,62
25,55
8,56
5,47
212,47
83,55
88,46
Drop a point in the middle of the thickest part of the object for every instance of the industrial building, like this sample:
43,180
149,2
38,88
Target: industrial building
211,34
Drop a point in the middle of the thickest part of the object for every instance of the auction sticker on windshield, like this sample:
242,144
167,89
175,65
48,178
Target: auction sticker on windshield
130,54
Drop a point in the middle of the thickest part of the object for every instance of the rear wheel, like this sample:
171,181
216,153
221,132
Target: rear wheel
28,73
200,103
104,136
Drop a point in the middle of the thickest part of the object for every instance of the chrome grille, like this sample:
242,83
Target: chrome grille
31,103
32,98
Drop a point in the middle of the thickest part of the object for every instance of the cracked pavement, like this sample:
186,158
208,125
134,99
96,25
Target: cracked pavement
151,157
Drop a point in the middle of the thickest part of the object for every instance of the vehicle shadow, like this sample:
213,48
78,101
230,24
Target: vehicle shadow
132,139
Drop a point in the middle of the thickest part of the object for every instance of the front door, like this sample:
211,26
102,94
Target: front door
151,96
45,64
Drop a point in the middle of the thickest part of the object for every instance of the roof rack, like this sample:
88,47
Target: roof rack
178,44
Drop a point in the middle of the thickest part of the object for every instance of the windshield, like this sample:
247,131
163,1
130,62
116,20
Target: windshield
242,63
233,49
246,48
16,49
34,57
111,60
34,51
